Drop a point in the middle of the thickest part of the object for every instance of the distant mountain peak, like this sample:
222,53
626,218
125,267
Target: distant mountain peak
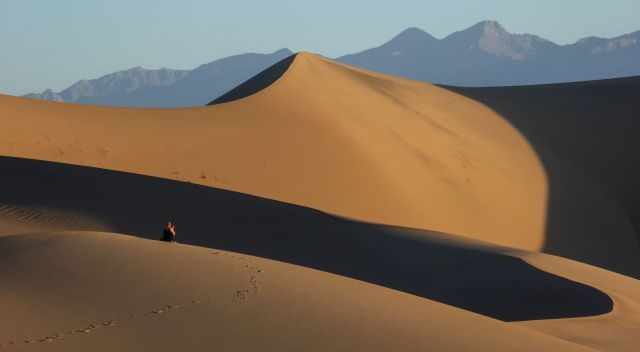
491,26
485,29
164,87
413,34
481,55
492,38
283,51
411,39
412,31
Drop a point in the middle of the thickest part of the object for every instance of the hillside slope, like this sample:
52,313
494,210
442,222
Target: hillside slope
383,150
258,171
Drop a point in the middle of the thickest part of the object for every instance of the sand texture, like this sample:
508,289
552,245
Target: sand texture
323,207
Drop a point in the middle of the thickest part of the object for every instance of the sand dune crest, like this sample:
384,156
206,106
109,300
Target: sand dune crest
428,196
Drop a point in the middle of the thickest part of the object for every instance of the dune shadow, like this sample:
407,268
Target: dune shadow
422,263
585,135
257,83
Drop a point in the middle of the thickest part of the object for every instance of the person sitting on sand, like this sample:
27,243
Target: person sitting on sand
169,233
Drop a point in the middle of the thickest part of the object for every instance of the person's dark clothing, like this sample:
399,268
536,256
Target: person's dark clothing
167,236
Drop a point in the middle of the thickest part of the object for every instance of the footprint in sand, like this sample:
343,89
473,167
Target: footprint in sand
254,287
241,295
46,339
254,284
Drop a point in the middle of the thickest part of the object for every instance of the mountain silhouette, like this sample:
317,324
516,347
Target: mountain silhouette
166,88
107,89
485,54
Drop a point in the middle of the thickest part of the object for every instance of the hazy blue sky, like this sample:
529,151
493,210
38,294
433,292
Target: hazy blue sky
51,44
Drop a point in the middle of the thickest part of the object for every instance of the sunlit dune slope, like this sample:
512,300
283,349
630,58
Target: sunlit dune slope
107,277
265,166
419,262
197,299
323,135
350,142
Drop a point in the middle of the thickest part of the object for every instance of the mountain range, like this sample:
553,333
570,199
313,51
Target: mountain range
165,87
485,54
488,55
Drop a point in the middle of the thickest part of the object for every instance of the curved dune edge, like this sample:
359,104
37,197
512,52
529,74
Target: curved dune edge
612,332
380,160
466,277
585,135
387,150
266,298
491,281
258,83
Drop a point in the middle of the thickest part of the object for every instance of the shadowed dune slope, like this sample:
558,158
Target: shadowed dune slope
586,135
423,263
257,83
381,149
245,303
491,281
259,172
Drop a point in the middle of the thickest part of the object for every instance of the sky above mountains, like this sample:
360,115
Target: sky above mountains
48,44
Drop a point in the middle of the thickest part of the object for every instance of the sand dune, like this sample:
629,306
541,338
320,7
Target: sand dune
427,264
385,150
246,303
439,270
585,134
387,205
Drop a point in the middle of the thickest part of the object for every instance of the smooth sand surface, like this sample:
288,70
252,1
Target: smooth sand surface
324,135
259,172
65,292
